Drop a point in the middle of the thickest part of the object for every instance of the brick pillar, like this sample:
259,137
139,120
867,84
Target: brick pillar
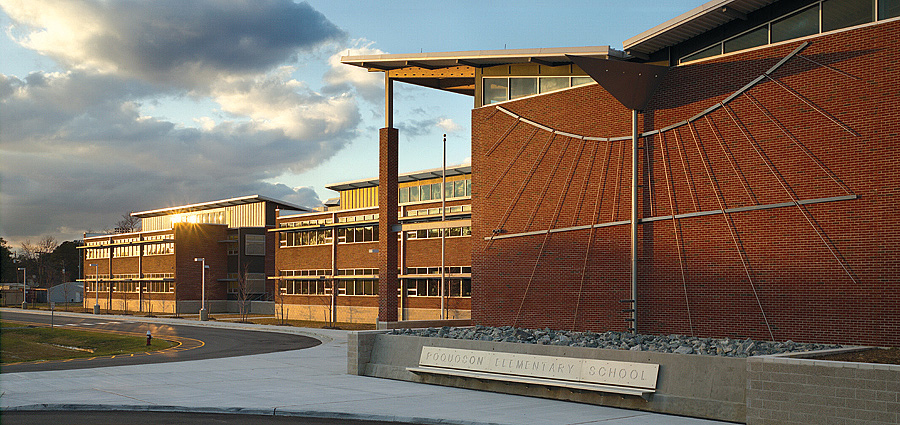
387,213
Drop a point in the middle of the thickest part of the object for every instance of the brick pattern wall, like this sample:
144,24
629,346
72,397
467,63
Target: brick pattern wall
844,289
797,391
387,207
200,240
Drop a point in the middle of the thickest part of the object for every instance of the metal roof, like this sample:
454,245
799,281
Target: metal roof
691,24
433,173
218,204
478,58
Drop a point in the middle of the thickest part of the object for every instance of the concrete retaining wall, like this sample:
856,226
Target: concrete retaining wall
701,386
785,390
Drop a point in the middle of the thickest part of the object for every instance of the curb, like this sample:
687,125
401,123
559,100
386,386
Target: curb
310,332
237,411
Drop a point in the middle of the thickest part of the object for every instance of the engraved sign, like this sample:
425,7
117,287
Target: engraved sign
607,372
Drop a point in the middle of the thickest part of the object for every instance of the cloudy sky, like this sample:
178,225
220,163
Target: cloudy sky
109,106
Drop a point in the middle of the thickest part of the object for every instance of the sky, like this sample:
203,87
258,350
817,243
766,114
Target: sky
112,106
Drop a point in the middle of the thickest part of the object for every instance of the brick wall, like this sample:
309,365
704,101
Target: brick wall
826,272
200,240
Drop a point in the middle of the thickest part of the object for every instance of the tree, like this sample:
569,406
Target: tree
244,292
8,266
280,295
128,224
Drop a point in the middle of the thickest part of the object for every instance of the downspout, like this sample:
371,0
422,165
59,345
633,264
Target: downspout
634,218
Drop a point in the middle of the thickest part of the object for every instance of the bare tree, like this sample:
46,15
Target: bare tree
280,295
243,292
128,224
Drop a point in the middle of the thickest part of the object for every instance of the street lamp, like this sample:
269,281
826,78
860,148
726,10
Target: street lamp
96,288
24,288
204,314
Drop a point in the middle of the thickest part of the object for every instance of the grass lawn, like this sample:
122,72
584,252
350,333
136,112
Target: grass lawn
19,343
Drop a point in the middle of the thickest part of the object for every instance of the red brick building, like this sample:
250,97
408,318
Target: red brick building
327,260
764,178
154,270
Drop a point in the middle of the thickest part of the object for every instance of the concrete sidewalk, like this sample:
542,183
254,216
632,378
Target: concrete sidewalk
311,382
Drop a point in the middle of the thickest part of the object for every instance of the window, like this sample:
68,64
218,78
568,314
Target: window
799,24
837,14
547,84
521,87
580,81
501,89
358,234
404,195
833,14
255,244
705,53
305,238
495,90
753,38
888,9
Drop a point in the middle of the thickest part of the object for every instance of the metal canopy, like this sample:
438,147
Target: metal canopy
632,84
691,24
433,173
219,204
477,58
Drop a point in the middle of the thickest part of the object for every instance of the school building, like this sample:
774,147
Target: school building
730,172
327,260
156,270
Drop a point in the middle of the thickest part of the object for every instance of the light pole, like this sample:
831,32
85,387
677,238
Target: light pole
204,315
96,288
24,287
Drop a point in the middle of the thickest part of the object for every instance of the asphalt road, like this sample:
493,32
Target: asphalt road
195,343
167,418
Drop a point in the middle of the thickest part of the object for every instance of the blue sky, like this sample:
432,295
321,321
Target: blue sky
112,106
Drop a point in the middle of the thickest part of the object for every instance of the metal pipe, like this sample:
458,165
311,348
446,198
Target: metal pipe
634,217
443,230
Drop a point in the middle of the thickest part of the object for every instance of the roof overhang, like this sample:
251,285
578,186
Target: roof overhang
691,24
433,173
219,204
455,71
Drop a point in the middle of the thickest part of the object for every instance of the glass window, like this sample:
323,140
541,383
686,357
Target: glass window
434,287
553,83
425,193
422,287
459,188
360,234
520,87
468,187
404,195
757,37
705,53
413,193
802,23
436,191
578,81
455,231
448,190
888,9
421,234
495,90
838,14
434,233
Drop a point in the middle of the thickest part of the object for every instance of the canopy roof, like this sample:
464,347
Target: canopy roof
433,173
218,204
691,24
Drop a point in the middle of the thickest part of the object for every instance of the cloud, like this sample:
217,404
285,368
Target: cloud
448,125
78,149
169,41
342,78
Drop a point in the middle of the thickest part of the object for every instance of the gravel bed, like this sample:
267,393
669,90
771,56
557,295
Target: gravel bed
679,344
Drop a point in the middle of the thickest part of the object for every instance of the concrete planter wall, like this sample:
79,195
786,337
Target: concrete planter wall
701,386
784,390
756,390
